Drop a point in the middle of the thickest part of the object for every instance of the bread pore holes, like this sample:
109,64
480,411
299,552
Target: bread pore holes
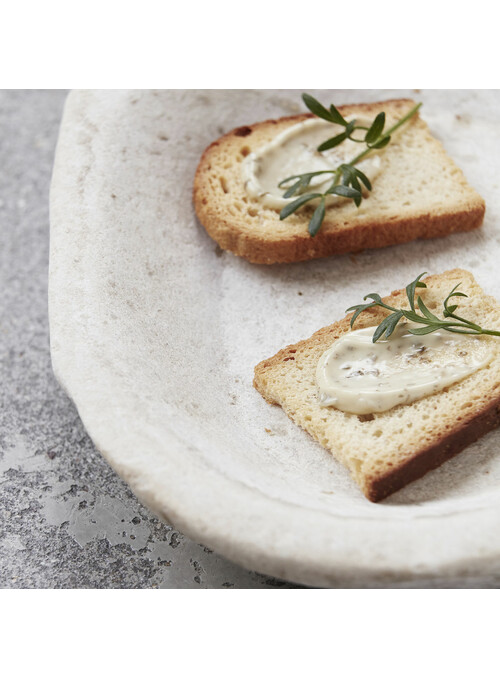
223,184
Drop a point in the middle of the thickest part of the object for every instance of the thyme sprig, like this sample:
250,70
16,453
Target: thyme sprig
346,178
430,322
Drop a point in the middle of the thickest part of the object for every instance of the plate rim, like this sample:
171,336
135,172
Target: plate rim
326,557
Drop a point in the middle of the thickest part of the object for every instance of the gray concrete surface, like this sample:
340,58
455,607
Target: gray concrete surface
66,519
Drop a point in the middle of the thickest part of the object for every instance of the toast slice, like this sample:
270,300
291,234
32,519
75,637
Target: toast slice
386,451
419,193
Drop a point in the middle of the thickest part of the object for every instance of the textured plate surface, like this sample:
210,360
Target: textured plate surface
155,333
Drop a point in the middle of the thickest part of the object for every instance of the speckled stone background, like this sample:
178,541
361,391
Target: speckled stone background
66,519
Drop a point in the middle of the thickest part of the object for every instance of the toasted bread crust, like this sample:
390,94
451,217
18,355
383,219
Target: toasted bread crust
465,433
342,231
447,440
373,235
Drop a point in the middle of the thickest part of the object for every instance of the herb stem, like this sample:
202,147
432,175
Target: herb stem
390,131
404,119
430,321
347,178
462,320
493,333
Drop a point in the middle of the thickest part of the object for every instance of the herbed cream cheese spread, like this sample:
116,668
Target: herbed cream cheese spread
358,376
292,152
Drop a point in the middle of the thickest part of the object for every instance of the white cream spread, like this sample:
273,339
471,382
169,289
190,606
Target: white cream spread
357,376
293,151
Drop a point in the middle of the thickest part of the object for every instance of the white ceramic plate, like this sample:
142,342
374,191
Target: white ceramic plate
155,333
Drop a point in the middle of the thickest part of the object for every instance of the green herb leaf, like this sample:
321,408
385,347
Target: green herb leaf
318,109
387,326
336,116
350,127
364,179
410,289
429,321
376,297
293,189
347,172
293,206
345,192
317,218
423,330
331,143
425,310
414,317
305,179
346,177
359,309
449,310
381,143
355,184
376,129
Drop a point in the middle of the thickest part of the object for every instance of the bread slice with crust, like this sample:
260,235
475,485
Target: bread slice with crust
419,193
386,451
